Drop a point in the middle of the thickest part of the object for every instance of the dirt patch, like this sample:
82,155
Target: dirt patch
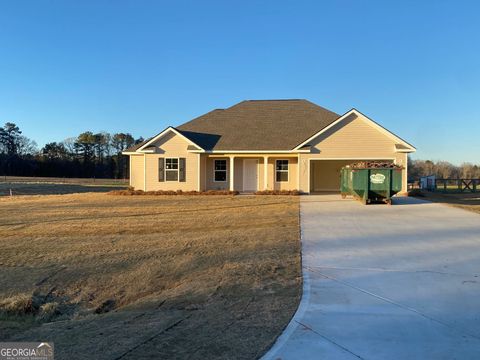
150,277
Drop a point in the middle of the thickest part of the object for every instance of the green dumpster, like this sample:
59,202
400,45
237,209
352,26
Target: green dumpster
370,182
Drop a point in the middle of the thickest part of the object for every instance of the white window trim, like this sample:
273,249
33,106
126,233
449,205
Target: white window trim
226,171
165,169
287,171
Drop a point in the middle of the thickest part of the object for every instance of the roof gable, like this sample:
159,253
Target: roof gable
406,147
168,130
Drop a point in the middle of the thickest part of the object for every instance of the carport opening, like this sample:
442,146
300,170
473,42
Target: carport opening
325,174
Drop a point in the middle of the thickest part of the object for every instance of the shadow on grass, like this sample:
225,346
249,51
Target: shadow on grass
467,198
51,189
150,214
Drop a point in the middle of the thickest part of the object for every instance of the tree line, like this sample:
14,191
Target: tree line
100,155
442,170
87,155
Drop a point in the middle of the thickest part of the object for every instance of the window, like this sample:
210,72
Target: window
220,170
281,170
171,169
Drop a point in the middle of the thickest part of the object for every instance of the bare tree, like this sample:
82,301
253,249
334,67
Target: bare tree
442,169
25,146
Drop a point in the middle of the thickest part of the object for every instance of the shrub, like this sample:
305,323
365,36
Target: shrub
130,191
105,307
49,310
21,304
416,192
278,192
42,308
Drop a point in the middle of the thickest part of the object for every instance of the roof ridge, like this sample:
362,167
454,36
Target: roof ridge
276,100
302,100
262,100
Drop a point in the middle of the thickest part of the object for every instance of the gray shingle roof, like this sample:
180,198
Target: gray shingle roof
137,146
258,125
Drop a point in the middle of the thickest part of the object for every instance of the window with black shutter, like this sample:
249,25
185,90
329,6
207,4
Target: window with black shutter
181,170
161,169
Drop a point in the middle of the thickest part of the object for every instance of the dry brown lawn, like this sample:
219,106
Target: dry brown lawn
43,186
63,180
467,201
149,277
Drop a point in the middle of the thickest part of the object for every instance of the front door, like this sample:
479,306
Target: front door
250,175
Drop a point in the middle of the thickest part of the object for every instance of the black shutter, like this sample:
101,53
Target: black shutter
181,169
161,169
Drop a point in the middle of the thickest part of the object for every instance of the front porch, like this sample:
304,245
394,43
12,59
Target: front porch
249,172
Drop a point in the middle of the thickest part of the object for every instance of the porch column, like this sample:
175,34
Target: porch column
298,172
265,172
232,173
199,172
405,176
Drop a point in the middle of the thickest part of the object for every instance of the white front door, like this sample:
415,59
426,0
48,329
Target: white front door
250,175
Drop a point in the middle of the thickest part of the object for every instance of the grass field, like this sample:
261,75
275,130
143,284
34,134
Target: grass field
118,277
63,180
17,185
467,200
51,189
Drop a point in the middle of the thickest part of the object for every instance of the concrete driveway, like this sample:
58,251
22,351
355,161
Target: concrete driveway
386,282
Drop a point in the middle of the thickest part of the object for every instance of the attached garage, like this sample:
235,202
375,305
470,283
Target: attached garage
325,174
265,145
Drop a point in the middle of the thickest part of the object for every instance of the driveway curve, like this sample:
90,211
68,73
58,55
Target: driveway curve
386,282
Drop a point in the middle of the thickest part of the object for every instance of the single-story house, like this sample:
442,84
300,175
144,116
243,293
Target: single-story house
263,145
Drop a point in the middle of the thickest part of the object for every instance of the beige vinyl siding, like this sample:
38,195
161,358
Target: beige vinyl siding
261,173
225,185
292,183
325,174
355,138
172,146
402,159
216,185
136,172
238,179
238,169
202,174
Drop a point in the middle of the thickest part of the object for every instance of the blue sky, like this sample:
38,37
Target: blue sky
138,66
